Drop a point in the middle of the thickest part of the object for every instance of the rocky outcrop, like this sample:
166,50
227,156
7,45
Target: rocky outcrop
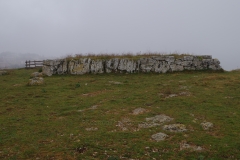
3,73
158,64
81,66
51,67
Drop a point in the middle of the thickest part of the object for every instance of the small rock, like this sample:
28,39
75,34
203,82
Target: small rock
36,81
175,127
139,111
94,107
184,94
113,82
91,129
195,120
159,136
171,95
206,125
183,87
155,121
184,146
228,97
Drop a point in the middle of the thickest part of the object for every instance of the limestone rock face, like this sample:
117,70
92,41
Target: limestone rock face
146,64
158,64
161,67
170,59
81,66
126,65
48,67
175,67
112,65
131,66
97,66
61,66
188,58
51,67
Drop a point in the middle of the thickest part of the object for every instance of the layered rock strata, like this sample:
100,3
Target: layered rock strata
158,64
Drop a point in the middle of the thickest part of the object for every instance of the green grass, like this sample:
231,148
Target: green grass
50,121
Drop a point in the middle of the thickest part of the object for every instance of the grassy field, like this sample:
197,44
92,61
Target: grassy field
91,116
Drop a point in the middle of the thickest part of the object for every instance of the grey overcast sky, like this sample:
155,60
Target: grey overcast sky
61,27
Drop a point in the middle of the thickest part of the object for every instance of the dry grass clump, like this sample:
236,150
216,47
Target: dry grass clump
128,55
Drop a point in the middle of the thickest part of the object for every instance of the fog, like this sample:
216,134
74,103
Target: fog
58,27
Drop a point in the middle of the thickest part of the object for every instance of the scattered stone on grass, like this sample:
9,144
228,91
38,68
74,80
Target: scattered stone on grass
206,125
113,82
138,111
172,95
91,129
179,94
195,120
183,87
184,94
184,145
36,74
159,136
155,121
3,73
94,107
91,108
175,127
36,81
125,125
229,97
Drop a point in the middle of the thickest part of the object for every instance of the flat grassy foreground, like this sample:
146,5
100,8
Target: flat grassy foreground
91,116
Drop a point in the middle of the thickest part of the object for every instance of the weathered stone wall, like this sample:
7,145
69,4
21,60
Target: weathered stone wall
158,64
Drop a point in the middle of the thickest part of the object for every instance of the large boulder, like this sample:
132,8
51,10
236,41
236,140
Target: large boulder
58,66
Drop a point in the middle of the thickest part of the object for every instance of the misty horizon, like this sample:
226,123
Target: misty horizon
59,28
